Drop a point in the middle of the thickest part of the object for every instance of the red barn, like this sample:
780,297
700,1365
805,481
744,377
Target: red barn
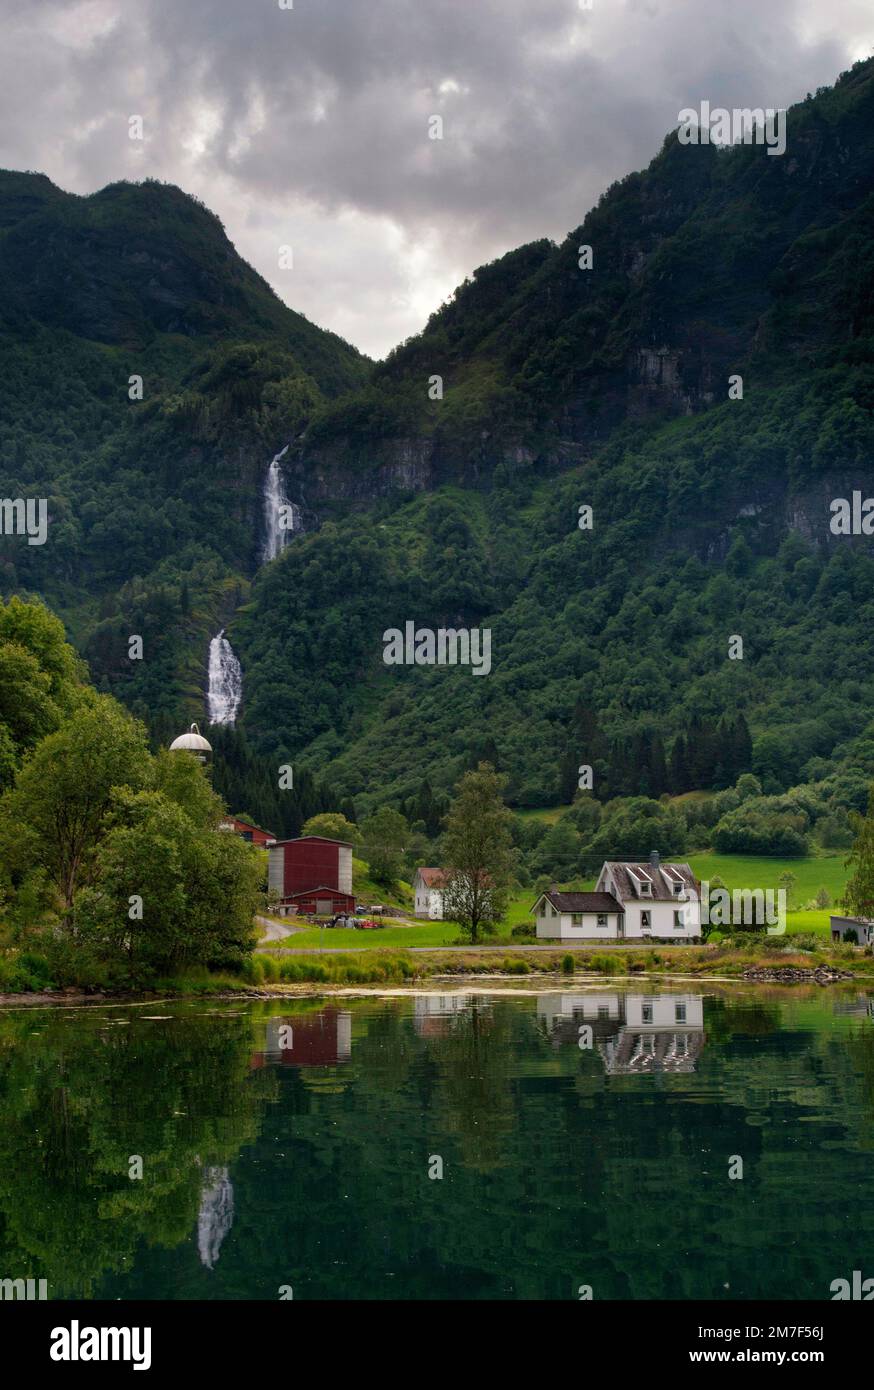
253,833
312,874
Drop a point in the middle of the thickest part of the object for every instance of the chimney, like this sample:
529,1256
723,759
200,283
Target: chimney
654,858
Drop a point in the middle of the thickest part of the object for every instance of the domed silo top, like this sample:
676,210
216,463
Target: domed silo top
193,742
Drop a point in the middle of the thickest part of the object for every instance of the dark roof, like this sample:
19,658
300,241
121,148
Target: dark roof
661,882
582,902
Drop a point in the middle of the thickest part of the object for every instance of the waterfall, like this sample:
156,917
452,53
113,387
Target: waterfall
225,681
281,517
216,1214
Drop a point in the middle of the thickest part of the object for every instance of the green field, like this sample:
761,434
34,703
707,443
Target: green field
422,934
752,871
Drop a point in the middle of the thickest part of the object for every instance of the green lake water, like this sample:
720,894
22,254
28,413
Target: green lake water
585,1137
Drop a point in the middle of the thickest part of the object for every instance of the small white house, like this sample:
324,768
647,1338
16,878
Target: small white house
643,901
862,926
428,894
578,916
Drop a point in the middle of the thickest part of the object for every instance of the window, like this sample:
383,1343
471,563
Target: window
677,885
645,921
645,887
602,919
576,919
679,923
646,1014
680,1013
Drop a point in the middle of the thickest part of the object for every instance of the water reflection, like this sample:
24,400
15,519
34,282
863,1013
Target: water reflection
633,1033
323,1039
216,1215
290,1143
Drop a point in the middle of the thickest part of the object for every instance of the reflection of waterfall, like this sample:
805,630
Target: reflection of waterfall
225,681
281,517
216,1215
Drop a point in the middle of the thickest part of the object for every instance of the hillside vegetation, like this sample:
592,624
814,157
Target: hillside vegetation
563,388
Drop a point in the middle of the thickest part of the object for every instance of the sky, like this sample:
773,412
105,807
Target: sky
310,126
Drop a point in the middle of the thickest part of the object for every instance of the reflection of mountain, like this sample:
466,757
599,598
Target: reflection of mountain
307,1040
216,1215
634,1033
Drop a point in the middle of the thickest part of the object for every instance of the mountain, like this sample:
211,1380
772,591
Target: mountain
562,387
153,502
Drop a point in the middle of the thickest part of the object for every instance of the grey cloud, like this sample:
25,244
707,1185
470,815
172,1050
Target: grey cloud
313,122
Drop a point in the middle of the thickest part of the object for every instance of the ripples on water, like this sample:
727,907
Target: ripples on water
585,1138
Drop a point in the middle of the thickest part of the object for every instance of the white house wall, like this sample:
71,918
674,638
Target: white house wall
562,927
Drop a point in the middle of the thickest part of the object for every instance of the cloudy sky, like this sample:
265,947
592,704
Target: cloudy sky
309,127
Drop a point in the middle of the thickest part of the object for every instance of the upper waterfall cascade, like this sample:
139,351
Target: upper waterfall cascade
281,516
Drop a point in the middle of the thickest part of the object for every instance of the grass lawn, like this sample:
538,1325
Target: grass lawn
755,871
817,922
422,934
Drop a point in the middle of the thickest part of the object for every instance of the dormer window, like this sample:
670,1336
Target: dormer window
645,888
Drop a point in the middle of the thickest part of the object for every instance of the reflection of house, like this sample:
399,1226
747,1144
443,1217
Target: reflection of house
843,928
253,834
428,894
309,1040
644,901
312,874
860,1007
632,1032
433,1013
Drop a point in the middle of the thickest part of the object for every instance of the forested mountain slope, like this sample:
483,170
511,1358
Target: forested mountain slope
562,387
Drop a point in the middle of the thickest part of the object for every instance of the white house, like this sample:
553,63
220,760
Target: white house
428,894
658,900
862,926
642,901
578,916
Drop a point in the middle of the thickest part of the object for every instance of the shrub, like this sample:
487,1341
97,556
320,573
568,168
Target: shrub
524,932
567,964
253,970
606,964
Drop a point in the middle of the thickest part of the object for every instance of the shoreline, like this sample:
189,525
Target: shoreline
552,982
